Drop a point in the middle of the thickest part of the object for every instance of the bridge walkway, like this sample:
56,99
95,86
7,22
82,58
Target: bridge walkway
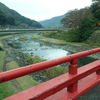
93,94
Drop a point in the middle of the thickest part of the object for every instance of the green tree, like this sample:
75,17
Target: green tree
95,9
2,18
86,29
74,18
95,0
22,25
6,19
10,20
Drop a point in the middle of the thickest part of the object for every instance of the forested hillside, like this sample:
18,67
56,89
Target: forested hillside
11,17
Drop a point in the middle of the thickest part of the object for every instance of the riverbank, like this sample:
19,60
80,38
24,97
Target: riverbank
58,42
69,46
50,40
8,59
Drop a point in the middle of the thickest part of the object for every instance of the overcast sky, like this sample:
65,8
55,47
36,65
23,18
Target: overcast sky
45,9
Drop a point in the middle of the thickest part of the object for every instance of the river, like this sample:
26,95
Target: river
44,51
48,53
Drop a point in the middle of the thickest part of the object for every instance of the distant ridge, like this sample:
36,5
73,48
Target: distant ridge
53,22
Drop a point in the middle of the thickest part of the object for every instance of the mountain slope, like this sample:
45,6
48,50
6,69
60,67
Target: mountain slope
19,18
53,22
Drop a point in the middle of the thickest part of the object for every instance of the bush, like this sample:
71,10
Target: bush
49,34
22,38
69,36
55,71
33,60
73,35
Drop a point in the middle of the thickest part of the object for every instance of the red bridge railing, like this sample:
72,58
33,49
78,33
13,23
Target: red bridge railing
69,86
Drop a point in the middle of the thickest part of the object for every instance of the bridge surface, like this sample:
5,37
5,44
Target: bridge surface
69,86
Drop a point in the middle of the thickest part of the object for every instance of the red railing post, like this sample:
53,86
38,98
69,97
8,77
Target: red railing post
73,70
98,72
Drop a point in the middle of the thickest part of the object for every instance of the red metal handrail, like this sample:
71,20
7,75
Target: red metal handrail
12,74
72,78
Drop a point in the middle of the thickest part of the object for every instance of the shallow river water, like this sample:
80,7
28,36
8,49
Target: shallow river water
43,51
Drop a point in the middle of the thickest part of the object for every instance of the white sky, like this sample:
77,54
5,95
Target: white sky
44,9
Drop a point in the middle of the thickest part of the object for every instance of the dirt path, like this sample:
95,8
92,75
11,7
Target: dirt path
7,59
